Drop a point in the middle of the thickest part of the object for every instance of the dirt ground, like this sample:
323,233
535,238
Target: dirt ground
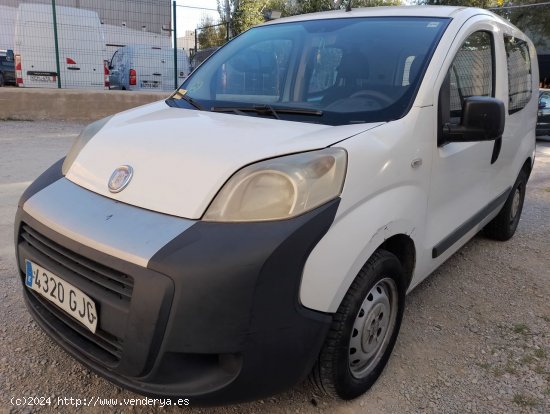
475,336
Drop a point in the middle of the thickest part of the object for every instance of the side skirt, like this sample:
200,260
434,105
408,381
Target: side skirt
468,225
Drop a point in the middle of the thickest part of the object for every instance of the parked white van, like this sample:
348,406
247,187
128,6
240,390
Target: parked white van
266,221
146,67
80,41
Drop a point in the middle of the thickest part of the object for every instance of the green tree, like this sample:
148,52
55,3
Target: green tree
311,6
529,18
247,13
465,3
211,34
533,20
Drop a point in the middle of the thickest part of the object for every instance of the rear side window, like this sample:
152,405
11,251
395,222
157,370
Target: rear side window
519,73
472,71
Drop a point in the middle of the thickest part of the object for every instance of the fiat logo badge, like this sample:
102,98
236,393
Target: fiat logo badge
120,178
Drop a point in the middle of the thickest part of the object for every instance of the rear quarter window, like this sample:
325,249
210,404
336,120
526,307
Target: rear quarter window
519,73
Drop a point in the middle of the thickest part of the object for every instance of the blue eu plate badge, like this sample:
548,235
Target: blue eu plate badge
28,272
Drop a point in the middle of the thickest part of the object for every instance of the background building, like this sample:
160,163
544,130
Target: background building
187,42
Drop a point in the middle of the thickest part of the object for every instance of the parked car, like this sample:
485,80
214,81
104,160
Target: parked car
266,221
7,67
543,120
81,48
146,67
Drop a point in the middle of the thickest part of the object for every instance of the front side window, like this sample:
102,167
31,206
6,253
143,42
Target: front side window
115,59
332,71
519,73
472,72
257,75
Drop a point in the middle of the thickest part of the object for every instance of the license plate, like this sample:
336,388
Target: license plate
42,78
62,294
150,84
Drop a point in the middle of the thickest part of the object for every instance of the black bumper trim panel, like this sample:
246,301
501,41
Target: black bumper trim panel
106,350
139,323
468,225
237,291
215,317
50,176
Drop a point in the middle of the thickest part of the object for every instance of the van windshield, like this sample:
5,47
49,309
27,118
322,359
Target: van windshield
334,72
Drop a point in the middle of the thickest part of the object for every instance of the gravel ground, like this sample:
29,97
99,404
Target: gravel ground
475,336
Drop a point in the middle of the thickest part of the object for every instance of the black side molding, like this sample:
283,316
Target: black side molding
468,225
496,150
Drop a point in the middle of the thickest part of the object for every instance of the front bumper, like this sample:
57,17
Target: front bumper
214,316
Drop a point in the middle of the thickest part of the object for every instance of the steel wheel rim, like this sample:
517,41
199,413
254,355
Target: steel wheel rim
373,328
515,204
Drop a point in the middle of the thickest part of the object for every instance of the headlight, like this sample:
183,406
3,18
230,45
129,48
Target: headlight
281,188
85,136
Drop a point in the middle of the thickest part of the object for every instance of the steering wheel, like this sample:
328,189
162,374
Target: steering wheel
379,97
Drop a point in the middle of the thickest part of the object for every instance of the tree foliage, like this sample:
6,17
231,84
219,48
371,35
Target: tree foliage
244,14
533,20
311,6
211,34
465,3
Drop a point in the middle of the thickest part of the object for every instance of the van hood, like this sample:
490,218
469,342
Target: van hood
181,158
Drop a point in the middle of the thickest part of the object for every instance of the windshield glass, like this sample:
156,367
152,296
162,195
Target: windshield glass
335,71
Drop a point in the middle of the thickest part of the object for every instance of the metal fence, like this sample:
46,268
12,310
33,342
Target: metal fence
102,44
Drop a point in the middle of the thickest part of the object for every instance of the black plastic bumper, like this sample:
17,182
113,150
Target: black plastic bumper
215,318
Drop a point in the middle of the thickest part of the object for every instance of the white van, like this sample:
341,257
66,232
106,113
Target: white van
266,221
146,68
81,48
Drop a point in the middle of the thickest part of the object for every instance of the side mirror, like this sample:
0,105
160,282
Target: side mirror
9,56
542,105
482,120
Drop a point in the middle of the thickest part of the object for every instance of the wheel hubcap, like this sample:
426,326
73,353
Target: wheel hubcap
373,327
515,204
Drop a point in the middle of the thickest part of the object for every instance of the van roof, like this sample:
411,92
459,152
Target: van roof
390,11
146,47
42,12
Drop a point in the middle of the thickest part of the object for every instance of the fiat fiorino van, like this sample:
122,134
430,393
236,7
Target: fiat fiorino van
265,222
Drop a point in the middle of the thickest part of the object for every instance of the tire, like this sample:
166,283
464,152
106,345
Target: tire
504,225
364,329
2,83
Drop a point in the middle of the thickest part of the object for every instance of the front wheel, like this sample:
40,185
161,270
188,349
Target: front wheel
504,225
364,329
2,83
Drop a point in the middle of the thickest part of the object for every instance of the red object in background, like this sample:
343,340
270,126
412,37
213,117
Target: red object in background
106,74
70,61
133,77
18,71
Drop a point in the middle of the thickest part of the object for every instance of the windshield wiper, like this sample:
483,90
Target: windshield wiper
178,95
267,110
